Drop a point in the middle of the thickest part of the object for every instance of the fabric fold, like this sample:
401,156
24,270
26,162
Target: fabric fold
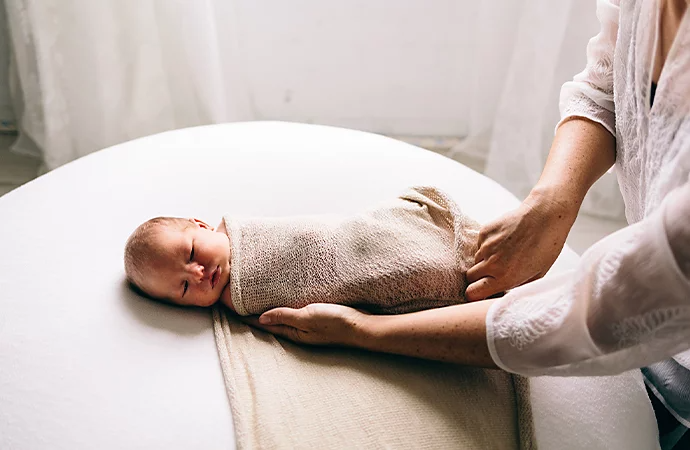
286,396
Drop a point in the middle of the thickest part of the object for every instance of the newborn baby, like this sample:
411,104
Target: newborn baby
409,254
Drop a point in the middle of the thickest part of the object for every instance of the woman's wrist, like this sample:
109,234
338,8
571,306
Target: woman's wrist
581,153
454,334
364,331
556,202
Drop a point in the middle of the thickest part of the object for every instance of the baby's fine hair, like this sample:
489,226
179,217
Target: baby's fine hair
141,248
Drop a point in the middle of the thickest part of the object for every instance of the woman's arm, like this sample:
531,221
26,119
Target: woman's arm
582,151
522,245
454,334
626,305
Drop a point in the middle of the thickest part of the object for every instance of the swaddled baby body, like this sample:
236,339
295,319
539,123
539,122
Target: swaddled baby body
406,255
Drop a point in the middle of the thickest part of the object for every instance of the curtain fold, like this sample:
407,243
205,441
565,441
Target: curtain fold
547,48
93,74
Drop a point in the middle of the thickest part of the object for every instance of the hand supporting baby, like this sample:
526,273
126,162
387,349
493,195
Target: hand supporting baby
315,324
429,334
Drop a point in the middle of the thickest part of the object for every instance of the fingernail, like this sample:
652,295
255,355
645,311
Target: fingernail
265,320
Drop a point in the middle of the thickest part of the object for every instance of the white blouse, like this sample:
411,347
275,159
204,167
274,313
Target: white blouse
628,302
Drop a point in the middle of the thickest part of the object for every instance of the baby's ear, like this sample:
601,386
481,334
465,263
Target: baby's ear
201,223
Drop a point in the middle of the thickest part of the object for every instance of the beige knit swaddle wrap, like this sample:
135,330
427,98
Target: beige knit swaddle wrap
407,255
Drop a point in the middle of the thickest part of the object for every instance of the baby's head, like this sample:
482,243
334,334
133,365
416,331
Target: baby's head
182,261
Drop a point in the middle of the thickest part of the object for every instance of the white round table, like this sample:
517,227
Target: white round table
85,363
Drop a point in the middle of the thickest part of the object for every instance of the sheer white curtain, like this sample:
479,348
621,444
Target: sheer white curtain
525,51
95,73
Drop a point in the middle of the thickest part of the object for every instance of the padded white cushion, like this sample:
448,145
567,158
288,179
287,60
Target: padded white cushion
85,363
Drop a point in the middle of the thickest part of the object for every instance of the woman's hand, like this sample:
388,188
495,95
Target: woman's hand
453,334
315,324
520,246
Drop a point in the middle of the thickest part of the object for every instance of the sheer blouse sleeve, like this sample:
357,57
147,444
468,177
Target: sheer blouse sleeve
590,93
626,305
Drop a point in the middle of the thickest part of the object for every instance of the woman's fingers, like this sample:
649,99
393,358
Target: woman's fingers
318,323
487,278
481,255
477,272
483,288
282,316
488,230
483,279
489,247
285,331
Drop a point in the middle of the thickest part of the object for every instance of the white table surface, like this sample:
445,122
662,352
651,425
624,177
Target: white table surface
85,363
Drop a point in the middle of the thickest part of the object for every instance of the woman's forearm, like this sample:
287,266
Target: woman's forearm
453,334
582,151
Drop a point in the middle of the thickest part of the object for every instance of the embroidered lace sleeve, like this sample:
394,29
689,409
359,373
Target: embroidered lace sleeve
590,94
625,306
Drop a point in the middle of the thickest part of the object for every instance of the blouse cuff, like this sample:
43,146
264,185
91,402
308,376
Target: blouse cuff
577,104
491,334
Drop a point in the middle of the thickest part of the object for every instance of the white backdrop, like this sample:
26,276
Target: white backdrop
97,73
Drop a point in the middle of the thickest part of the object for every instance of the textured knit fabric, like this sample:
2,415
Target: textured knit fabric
627,304
287,396
407,255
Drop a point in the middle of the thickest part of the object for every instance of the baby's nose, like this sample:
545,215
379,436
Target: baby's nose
198,272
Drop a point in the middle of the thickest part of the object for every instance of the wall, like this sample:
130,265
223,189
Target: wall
400,71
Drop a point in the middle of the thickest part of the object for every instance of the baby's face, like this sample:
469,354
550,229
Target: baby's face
194,266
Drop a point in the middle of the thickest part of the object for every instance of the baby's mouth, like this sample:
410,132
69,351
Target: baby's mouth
215,277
